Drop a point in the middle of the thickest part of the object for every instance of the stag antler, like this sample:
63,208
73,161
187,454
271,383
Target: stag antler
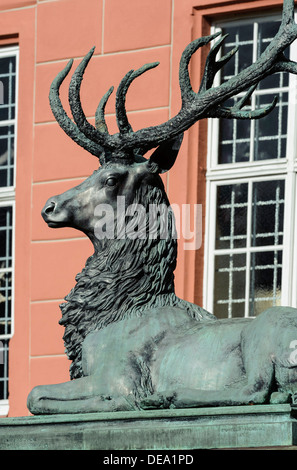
208,102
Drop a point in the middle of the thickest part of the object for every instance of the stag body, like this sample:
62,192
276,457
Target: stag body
132,342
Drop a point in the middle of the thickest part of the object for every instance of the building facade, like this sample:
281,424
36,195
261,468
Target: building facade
241,174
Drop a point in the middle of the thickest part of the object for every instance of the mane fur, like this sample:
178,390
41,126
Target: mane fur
123,279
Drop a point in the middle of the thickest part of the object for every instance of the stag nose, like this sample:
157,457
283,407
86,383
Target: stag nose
48,209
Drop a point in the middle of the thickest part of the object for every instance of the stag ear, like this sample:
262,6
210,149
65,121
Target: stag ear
165,155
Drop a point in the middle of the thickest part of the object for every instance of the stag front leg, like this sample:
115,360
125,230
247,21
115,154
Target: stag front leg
77,396
192,398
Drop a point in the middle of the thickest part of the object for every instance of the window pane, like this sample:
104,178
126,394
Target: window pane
4,369
7,66
268,213
7,106
229,294
271,131
265,138
5,237
6,155
234,138
241,36
266,272
265,225
7,87
7,112
266,32
231,230
5,302
5,269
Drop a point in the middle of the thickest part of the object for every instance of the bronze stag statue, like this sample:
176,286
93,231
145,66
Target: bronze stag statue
132,342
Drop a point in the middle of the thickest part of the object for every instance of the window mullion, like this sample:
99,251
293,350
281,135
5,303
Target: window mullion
292,251
211,191
253,98
248,252
288,293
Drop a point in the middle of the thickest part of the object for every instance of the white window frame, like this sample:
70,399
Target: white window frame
285,168
7,198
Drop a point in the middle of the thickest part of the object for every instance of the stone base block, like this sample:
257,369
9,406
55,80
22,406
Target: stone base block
258,426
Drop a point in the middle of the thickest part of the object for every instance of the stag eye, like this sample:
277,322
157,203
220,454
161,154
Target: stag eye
112,181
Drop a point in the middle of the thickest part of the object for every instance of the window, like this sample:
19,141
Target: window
251,181
8,113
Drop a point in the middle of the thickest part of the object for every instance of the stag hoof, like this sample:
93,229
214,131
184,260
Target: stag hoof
158,401
34,401
278,398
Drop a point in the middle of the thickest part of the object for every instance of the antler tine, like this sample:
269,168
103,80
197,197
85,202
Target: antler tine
100,122
212,66
187,93
236,112
63,119
288,12
286,65
76,108
121,114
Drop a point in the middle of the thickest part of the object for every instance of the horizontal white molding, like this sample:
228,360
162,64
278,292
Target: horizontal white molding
257,169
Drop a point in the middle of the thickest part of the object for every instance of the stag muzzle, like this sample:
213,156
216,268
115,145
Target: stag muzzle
53,214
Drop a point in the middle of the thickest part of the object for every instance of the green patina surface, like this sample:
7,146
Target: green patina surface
205,428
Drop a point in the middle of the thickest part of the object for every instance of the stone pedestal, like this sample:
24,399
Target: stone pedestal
258,426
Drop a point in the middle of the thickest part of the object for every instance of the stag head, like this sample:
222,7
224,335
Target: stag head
112,182
123,166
